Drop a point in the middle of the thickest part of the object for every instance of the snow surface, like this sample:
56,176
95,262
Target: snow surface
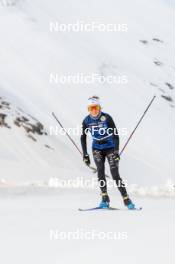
30,204
27,221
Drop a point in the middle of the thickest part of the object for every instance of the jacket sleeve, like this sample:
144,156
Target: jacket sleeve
114,131
83,139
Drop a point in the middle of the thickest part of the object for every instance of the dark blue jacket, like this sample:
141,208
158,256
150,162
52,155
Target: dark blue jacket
103,130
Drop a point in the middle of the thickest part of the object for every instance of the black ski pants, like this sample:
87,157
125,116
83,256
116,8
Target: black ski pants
99,158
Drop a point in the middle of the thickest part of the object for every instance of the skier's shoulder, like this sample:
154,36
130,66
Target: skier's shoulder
106,115
108,118
86,120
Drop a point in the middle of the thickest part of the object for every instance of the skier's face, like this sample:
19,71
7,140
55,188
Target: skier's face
94,110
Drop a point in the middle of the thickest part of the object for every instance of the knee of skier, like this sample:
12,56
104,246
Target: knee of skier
113,161
98,157
113,164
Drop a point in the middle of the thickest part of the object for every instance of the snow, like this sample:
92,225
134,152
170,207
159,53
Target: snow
30,53
31,203
29,222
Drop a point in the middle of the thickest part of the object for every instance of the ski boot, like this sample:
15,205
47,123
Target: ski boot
128,203
105,201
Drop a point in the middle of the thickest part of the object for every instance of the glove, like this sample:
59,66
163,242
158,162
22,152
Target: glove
116,155
86,159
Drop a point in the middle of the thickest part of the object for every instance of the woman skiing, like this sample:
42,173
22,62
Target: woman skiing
105,145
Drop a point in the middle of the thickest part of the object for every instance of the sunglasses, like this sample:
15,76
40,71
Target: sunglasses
94,107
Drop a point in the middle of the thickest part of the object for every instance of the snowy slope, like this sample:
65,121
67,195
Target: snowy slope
30,52
33,162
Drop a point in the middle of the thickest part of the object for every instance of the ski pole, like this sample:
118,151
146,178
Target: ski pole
73,142
152,100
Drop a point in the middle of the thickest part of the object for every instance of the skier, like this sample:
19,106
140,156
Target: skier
105,145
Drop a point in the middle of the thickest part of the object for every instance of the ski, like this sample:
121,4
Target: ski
97,208
109,209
